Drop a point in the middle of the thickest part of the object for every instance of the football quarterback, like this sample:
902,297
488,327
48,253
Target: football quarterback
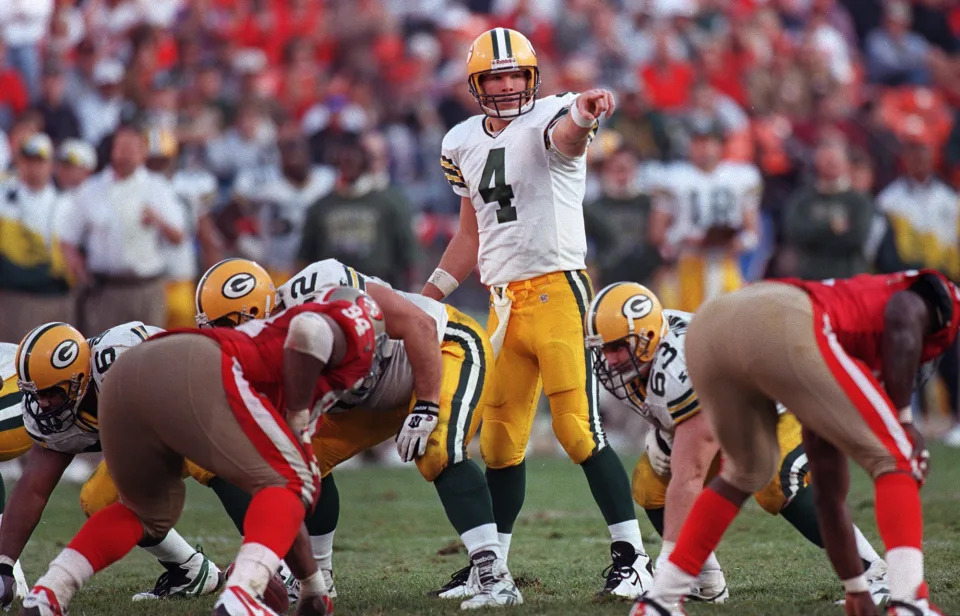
519,169
638,350
55,366
705,216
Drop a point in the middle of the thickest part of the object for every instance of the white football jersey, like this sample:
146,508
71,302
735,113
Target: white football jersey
698,200
528,196
393,383
667,398
11,397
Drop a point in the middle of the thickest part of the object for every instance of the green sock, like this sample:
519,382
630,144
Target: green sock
508,487
234,500
465,496
802,515
656,518
326,514
610,486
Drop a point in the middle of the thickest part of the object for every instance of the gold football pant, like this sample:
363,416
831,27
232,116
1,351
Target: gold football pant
181,309
99,491
700,277
543,347
14,440
467,366
650,489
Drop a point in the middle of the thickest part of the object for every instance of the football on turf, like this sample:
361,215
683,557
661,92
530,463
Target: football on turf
275,596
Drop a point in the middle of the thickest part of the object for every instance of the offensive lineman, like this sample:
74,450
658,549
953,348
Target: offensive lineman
639,358
519,169
243,403
55,366
843,355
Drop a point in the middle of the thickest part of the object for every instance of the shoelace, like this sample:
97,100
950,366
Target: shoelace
459,578
617,573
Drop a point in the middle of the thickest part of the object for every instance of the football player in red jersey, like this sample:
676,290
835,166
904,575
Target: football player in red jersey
844,356
253,430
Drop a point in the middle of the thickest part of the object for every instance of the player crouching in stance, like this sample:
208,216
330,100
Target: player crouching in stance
639,358
58,376
237,402
816,347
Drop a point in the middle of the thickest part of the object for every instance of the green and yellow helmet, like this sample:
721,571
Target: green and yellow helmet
623,315
502,50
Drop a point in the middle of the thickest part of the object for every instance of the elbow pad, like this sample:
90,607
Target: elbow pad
309,333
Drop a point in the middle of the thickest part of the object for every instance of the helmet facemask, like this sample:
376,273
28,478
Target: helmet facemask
58,417
507,104
621,378
233,319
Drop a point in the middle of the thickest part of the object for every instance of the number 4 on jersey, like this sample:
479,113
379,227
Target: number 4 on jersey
495,173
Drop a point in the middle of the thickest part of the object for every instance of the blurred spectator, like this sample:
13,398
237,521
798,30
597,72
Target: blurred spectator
706,215
644,127
76,160
895,55
248,146
101,109
25,24
67,28
80,82
34,286
360,225
195,190
627,210
4,154
278,198
122,217
666,78
59,119
826,225
13,93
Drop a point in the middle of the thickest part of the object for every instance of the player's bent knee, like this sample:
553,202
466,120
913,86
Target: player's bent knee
575,437
98,492
498,447
771,498
199,474
431,464
649,489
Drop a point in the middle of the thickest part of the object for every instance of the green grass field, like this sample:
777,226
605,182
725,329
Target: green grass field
394,544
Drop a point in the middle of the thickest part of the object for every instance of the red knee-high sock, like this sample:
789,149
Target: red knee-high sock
273,519
709,518
898,510
108,536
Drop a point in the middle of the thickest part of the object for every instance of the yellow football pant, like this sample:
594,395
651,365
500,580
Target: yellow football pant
543,347
467,367
650,489
14,440
701,277
99,491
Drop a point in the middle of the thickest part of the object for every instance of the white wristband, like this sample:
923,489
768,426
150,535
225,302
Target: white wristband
578,118
857,584
906,414
444,281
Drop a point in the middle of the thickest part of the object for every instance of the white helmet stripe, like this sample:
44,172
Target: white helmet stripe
502,48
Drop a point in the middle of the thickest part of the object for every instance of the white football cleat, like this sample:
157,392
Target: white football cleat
649,606
629,575
41,602
497,588
879,588
21,581
196,576
235,601
711,588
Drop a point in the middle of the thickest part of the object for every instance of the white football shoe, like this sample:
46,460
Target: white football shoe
879,588
235,601
41,602
21,581
711,588
629,575
196,576
497,588
649,606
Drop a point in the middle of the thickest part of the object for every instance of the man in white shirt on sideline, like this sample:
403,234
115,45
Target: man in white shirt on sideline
122,217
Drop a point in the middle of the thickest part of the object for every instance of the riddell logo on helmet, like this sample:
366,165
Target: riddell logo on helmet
503,63
637,307
239,285
65,354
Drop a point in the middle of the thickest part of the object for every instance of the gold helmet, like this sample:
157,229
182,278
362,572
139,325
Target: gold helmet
625,317
53,371
232,292
503,51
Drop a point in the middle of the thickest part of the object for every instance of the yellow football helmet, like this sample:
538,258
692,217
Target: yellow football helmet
503,51
624,322
234,291
53,371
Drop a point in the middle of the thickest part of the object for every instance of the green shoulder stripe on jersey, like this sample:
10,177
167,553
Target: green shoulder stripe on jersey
354,279
681,399
687,410
677,323
140,331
